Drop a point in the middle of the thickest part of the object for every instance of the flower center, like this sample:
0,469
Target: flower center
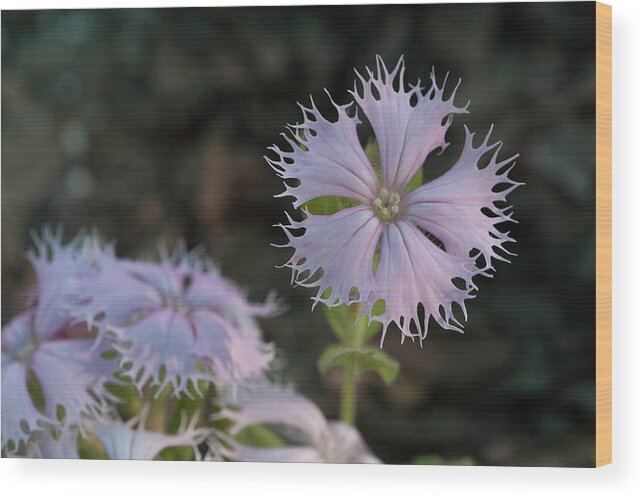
386,205
175,303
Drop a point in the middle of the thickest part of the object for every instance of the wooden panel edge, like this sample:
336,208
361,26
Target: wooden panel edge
603,234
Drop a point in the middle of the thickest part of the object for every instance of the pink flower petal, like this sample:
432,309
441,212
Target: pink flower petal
163,338
326,159
286,410
72,373
290,454
269,404
61,271
413,271
346,445
408,124
122,440
212,291
18,333
231,353
19,415
165,278
450,207
120,296
342,246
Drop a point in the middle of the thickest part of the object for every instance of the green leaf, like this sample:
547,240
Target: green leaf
379,361
379,307
182,453
333,355
348,329
416,181
35,390
341,322
327,205
368,359
89,447
368,331
180,408
372,151
259,436
128,395
376,261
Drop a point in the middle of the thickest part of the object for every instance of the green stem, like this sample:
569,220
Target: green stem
348,407
157,416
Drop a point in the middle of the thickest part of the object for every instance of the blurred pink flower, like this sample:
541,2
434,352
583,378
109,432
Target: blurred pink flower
130,440
311,438
416,277
180,321
119,439
49,342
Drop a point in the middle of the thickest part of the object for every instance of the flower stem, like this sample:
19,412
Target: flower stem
348,404
157,406
348,407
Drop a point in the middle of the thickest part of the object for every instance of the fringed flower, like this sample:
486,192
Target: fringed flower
414,249
179,322
130,440
53,372
300,424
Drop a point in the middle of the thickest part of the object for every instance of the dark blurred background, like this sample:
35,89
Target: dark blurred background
150,125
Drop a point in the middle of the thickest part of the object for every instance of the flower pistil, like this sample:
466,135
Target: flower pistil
386,205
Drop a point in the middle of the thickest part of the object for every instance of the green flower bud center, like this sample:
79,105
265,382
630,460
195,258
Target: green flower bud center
386,205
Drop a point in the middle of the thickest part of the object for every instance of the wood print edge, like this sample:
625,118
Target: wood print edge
603,234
